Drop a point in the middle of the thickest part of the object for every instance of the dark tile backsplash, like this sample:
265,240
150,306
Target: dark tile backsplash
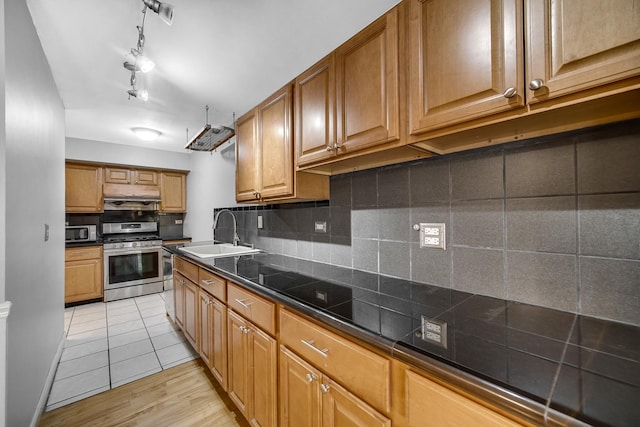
553,222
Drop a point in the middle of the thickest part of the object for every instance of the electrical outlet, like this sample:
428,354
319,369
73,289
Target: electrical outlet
434,331
321,226
432,235
260,221
178,221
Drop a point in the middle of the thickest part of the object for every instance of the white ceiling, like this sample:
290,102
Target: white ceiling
228,54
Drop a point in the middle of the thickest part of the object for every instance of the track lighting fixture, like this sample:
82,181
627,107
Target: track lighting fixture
140,62
164,10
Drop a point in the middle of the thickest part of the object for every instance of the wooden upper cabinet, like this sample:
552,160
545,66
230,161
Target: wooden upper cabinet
83,188
572,46
173,191
465,61
275,130
315,112
117,175
264,155
145,177
247,154
368,85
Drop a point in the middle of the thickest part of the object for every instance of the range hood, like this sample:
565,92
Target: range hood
130,192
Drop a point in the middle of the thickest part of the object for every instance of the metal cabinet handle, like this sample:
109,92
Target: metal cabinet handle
321,351
536,84
245,330
207,282
325,388
243,303
510,92
311,377
329,147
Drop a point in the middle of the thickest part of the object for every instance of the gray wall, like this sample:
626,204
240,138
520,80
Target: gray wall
105,152
34,269
553,222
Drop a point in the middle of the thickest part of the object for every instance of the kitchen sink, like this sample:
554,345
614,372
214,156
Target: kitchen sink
218,250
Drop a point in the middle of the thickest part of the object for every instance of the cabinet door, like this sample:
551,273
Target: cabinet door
367,83
83,274
178,295
144,177
341,408
205,320
247,155
576,45
83,188
117,175
173,192
191,327
315,112
218,330
463,56
238,359
263,367
275,134
445,407
300,398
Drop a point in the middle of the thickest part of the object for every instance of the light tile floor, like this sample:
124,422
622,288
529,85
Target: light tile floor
111,344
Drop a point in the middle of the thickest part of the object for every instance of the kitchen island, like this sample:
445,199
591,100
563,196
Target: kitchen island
537,365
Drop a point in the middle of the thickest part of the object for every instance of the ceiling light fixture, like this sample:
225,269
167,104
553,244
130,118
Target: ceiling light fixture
140,62
142,94
164,10
146,134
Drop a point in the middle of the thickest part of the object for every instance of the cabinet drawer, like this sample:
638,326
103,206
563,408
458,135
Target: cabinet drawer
85,252
446,407
213,284
259,310
362,371
188,270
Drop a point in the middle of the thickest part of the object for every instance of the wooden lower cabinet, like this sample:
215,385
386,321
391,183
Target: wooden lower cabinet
83,274
191,327
309,398
431,404
213,336
178,298
252,356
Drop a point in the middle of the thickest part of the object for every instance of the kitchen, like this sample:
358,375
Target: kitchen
380,243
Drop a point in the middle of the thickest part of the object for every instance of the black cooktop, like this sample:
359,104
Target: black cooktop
585,367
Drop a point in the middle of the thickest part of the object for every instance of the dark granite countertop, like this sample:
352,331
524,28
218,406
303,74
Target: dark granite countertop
546,365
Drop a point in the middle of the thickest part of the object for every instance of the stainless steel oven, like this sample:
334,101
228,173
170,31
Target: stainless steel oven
132,260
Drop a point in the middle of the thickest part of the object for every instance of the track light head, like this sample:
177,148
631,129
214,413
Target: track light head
164,10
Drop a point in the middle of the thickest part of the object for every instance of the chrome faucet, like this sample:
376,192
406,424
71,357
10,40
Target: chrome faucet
236,239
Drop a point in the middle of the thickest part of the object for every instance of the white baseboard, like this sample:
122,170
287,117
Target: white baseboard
5,308
42,402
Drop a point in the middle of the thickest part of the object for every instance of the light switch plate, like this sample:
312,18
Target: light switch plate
260,221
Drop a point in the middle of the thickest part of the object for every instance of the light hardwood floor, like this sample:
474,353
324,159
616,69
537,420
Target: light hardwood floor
185,395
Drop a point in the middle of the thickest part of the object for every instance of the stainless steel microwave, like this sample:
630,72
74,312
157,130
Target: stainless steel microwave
80,233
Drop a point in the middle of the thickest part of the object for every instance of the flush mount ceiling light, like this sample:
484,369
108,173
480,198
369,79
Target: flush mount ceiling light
140,62
146,134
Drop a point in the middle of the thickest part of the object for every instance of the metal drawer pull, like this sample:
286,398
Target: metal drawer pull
325,388
323,352
311,377
243,303
207,282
